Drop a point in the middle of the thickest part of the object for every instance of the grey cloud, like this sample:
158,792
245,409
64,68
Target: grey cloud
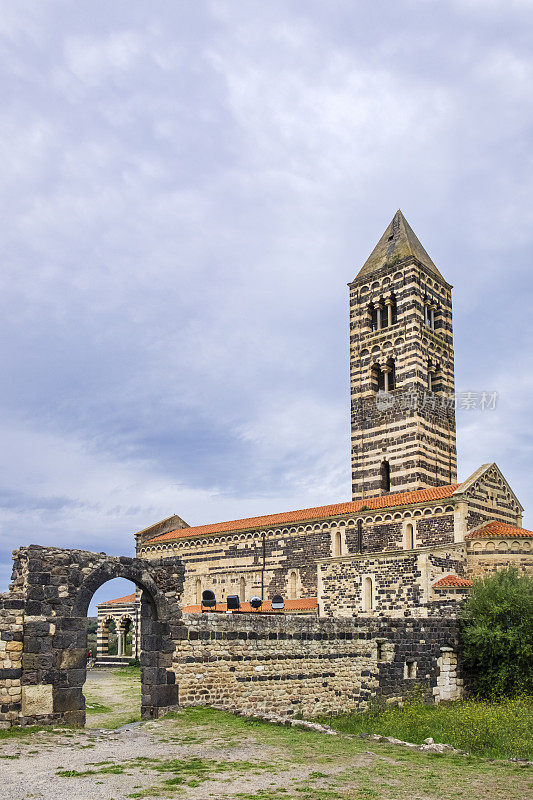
187,189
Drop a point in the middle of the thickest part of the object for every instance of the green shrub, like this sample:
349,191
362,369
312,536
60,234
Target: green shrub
497,635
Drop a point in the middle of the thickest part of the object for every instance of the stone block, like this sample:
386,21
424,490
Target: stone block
37,700
72,658
68,700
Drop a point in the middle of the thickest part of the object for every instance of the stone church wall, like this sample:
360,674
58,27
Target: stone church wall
221,562
386,584
486,556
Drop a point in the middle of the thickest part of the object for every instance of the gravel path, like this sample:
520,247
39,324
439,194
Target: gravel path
198,754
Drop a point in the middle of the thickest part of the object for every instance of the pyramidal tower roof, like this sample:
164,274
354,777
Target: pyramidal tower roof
397,243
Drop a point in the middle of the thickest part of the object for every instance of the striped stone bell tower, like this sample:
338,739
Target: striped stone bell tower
401,369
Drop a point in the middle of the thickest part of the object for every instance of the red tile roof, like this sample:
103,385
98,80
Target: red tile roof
453,581
499,529
385,501
130,598
302,604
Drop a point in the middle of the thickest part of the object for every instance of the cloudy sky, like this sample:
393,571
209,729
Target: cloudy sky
187,187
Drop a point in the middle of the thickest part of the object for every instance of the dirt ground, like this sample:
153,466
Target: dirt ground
201,753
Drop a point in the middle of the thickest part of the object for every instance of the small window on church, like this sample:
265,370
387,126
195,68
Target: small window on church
293,584
385,476
337,543
368,595
409,537
198,590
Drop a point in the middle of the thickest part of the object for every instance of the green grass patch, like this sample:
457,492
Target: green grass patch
18,732
493,730
128,672
94,707
110,769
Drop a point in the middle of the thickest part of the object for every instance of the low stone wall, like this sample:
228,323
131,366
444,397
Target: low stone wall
275,663
293,664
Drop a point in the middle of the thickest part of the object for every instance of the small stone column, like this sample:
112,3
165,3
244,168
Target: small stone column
385,370
388,303
102,639
449,685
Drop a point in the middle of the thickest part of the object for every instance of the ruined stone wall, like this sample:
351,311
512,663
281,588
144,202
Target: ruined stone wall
43,632
296,664
11,635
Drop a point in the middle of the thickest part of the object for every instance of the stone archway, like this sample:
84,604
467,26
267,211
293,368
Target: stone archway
56,587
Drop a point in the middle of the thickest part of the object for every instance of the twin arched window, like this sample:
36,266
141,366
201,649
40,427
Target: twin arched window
382,313
431,313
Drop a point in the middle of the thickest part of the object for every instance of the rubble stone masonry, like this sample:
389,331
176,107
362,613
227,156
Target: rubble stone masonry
310,666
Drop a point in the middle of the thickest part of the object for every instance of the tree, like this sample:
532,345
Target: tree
497,634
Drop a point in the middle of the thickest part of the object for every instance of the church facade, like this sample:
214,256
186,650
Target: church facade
411,538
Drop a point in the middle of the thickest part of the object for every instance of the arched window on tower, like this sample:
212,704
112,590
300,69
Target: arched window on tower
385,476
372,319
390,382
377,378
427,311
337,543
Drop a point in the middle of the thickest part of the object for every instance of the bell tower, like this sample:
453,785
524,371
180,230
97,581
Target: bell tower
401,369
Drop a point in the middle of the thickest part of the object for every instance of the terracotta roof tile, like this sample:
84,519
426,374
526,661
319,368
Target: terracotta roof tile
452,581
500,530
301,604
385,501
129,598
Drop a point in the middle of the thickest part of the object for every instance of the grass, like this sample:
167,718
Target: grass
18,732
98,708
115,703
286,764
492,730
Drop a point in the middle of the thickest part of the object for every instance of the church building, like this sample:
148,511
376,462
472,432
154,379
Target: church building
411,538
